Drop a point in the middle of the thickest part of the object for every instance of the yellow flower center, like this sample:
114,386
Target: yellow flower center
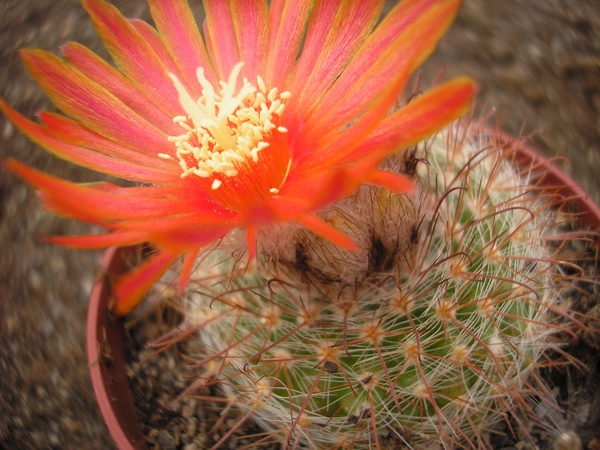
223,132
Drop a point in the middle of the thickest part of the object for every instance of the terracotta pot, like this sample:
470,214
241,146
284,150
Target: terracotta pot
106,357
552,179
105,334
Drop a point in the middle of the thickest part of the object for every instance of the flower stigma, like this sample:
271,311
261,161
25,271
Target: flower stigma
225,131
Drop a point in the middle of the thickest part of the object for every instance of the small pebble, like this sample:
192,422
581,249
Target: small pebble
200,440
166,441
187,411
192,425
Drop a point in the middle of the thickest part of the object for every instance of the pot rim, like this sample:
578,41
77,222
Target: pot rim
107,359
553,178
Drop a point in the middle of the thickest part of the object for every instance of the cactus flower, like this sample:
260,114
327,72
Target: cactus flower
274,111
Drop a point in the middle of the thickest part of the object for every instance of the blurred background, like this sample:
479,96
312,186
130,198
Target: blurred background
538,66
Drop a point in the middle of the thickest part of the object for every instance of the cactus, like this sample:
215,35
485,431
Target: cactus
426,334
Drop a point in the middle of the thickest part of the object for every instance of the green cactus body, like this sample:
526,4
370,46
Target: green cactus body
433,350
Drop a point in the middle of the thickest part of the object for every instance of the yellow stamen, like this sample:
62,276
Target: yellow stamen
225,131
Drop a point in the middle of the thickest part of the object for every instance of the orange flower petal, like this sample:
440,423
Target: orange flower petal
392,181
336,30
326,231
287,21
71,132
151,36
83,156
250,20
88,102
133,54
186,233
378,64
100,205
99,71
221,35
179,32
336,148
130,290
186,269
421,117
100,241
251,242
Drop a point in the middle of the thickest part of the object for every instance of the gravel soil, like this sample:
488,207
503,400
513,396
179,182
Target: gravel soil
537,63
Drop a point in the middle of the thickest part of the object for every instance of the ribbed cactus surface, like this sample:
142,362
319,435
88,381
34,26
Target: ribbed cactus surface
426,337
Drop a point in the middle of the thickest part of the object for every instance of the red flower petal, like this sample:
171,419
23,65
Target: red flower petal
221,35
130,290
186,269
392,181
71,132
337,28
327,140
326,231
287,21
177,27
251,242
83,156
100,241
99,71
186,233
384,57
91,104
133,55
417,120
337,147
151,36
250,20
109,206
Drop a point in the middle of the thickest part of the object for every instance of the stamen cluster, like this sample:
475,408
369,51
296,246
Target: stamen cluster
223,132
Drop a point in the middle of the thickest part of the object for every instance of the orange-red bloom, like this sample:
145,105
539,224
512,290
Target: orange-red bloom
275,111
